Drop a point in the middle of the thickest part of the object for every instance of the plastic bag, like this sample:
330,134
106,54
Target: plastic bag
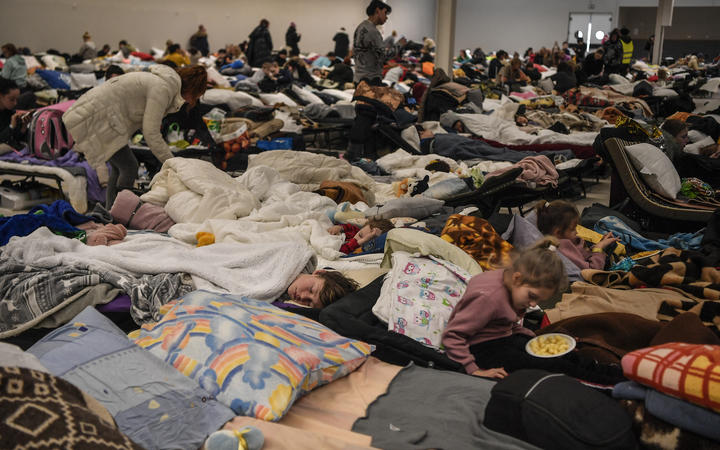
213,120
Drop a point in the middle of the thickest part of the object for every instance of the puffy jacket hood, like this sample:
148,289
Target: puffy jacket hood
171,77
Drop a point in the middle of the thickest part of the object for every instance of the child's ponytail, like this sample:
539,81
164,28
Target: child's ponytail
541,266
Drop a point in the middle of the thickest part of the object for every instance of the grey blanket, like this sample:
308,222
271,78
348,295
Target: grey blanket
429,408
33,294
463,148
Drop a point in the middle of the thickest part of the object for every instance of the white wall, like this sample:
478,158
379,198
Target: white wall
515,25
59,24
413,19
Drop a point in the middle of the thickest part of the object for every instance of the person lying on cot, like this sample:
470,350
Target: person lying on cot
356,237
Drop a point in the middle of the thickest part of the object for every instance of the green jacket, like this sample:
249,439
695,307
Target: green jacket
16,70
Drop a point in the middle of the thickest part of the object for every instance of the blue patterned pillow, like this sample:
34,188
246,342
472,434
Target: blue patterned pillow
253,356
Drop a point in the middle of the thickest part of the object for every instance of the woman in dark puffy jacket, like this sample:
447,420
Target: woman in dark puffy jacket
260,47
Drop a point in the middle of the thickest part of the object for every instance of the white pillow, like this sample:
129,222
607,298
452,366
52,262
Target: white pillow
655,168
418,296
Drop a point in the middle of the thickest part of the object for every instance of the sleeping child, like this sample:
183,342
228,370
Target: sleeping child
356,237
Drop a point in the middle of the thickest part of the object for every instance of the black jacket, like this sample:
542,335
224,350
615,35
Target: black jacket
342,44
260,46
352,317
592,66
8,136
292,38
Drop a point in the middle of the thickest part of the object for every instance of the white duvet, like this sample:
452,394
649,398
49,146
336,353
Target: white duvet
257,207
496,128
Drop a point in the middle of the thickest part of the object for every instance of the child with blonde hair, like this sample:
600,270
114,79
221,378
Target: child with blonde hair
485,332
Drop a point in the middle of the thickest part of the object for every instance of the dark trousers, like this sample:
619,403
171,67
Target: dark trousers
123,171
362,140
509,353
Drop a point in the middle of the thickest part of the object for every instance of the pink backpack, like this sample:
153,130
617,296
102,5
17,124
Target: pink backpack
49,138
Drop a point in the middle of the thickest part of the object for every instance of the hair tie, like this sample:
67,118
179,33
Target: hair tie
552,248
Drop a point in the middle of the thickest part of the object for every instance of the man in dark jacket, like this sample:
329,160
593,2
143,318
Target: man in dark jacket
593,63
199,40
292,38
613,53
260,47
342,43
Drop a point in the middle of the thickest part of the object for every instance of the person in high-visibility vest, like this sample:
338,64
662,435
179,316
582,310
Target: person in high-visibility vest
627,48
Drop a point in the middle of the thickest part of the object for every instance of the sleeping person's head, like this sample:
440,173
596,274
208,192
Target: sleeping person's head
320,288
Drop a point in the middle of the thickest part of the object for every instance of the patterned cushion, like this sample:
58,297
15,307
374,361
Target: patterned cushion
39,410
687,371
256,358
419,295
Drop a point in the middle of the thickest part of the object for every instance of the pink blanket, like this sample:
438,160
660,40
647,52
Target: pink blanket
130,211
536,169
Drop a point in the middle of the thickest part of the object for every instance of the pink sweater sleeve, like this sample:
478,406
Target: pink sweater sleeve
470,315
576,252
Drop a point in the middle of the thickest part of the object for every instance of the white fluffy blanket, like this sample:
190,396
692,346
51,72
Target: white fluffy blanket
258,271
496,128
259,206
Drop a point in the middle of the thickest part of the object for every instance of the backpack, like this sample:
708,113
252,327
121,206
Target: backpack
48,136
558,412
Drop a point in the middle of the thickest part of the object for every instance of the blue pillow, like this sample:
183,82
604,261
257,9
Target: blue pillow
54,79
152,403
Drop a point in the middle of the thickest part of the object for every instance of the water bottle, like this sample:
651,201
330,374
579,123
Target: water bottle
143,174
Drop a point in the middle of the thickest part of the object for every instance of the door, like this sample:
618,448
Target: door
592,27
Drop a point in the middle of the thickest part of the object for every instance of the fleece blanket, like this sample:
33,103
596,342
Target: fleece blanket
261,271
35,295
496,127
681,270
537,170
259,206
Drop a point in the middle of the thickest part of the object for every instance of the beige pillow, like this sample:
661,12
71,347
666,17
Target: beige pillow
416,241
365,276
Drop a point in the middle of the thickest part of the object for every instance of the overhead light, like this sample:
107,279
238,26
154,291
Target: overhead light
599,35
579,34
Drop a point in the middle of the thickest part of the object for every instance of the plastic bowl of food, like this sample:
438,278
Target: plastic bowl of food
550,345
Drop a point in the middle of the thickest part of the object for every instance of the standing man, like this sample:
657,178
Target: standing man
342,43
199,40
368,47
291,39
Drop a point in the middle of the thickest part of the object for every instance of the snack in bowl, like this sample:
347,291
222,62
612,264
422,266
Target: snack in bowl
550,345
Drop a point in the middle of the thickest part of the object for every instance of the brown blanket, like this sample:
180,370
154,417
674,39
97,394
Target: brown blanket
680,270
607,337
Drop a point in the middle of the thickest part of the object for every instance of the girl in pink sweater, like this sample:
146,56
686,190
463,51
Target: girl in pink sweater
485,332
560,219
